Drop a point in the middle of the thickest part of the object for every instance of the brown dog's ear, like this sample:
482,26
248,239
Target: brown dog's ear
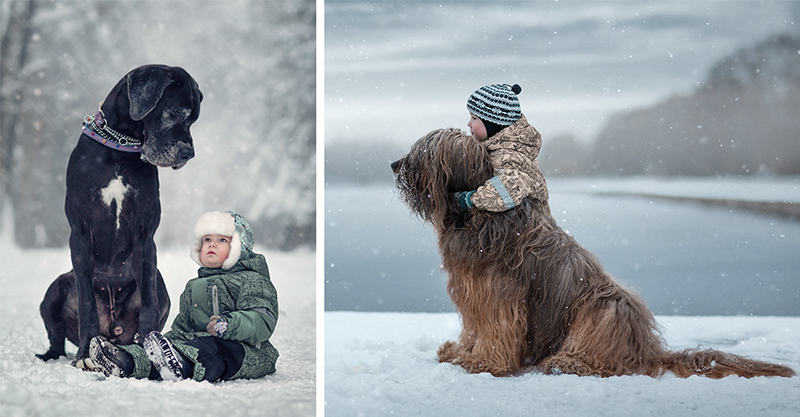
145,87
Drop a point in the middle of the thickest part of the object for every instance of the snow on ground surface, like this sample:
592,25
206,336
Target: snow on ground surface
30,387
382,364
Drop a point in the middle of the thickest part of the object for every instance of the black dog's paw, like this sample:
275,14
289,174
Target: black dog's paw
50,354
79,361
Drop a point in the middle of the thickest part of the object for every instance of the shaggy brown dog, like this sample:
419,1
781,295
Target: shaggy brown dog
529,296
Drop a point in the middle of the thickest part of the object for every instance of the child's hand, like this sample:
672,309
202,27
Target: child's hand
216,326
460,201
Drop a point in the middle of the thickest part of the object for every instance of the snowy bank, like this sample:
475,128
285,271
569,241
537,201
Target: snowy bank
30,387
381,364
755,188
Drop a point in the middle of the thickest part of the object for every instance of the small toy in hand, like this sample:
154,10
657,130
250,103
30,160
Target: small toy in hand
221,326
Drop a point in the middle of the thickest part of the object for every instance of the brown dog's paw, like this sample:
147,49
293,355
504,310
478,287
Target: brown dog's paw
477,366
447,352
458,355
565,365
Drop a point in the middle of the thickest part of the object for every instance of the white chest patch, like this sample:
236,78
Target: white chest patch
115,192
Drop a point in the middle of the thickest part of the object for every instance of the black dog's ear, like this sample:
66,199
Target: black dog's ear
145,87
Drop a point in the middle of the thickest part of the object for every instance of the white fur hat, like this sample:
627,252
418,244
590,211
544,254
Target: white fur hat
226,224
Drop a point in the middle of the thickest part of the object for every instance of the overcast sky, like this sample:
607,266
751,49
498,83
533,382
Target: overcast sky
396,70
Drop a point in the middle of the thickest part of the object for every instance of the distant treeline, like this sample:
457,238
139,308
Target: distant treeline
743,120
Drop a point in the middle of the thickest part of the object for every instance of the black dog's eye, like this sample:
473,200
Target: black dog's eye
174,115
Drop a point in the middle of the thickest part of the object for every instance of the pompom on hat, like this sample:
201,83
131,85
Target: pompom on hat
496,103
227,223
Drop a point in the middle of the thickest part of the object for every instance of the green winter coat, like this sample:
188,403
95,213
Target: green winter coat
246,297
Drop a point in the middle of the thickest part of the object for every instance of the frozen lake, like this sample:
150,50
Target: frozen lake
683,258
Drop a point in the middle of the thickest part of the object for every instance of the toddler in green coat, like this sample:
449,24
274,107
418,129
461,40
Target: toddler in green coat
227,315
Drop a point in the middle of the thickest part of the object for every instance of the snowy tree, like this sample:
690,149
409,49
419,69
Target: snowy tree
255,139
41,104
15,34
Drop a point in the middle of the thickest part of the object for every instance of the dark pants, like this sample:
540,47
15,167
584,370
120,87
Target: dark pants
221,358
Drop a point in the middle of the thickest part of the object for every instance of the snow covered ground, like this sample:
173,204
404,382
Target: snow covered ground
381,364
30,387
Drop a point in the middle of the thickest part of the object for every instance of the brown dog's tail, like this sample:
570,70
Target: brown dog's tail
716,364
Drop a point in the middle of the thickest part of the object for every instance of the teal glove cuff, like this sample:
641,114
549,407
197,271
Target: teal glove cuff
464,199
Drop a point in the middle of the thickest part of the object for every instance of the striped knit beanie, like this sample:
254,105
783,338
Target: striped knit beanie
496,103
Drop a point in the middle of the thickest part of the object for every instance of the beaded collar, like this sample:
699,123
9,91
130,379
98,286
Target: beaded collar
96,128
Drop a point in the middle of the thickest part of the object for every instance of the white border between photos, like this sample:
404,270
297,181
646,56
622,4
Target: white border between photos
320,204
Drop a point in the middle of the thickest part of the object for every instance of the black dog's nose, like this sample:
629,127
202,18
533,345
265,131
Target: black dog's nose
186,153
395,165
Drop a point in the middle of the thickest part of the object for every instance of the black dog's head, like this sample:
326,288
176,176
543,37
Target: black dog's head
156,104
440,163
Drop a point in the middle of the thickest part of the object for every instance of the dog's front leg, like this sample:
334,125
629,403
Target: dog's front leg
146,281
494,319
83,266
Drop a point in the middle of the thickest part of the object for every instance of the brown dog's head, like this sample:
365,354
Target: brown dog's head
442,162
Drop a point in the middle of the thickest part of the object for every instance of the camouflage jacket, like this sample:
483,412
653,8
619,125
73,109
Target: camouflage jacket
513,153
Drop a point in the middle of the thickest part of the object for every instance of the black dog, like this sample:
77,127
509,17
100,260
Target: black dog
113,209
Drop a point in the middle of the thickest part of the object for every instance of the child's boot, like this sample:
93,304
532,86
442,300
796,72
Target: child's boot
109,359
170,363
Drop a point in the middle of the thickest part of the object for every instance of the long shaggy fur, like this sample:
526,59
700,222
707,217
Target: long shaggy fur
529,296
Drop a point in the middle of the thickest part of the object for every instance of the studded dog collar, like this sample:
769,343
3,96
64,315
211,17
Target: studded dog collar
96,128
